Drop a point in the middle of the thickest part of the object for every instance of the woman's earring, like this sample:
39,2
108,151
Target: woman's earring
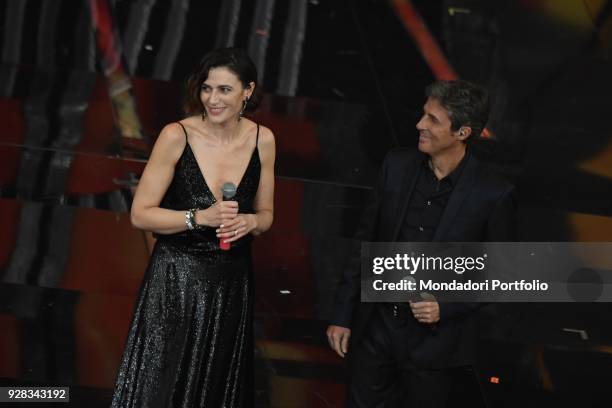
244,105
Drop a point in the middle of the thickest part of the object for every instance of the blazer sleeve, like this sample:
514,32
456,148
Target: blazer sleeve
349,289
500,227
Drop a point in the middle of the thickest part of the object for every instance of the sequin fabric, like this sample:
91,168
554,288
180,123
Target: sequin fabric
190,342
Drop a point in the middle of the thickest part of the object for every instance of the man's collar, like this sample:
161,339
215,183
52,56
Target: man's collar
456,173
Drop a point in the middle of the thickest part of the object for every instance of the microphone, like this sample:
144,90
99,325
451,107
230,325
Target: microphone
413,295
228,191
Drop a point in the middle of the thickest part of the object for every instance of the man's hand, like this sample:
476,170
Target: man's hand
338,338
427,312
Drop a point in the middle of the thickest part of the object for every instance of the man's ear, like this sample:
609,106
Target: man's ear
464,132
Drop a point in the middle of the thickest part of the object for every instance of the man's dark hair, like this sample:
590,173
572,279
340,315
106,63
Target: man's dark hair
236,60
467,103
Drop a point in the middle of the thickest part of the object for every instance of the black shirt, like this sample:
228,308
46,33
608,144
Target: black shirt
427,203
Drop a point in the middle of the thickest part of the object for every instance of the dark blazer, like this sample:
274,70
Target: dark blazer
481,208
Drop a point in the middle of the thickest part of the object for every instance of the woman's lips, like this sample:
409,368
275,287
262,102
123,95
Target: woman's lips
215,111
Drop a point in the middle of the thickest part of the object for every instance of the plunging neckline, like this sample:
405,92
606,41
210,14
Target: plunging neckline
203,177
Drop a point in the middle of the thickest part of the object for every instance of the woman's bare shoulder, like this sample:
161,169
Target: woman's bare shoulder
266,137
191,122
170,142
266,144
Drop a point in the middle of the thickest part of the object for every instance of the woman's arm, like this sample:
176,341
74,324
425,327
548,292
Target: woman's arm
156,178
261,220
264,200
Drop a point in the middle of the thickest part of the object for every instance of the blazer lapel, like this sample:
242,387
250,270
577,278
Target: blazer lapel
464,185
409,181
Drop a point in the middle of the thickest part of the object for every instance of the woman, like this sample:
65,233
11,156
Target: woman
190,342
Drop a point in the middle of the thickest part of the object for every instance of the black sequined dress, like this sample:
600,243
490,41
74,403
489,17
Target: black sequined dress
190,343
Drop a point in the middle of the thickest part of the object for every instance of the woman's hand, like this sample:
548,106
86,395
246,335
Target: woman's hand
220,213
238,227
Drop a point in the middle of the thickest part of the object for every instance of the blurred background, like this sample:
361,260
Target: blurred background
86,85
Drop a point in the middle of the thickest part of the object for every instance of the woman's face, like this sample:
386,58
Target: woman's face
223,95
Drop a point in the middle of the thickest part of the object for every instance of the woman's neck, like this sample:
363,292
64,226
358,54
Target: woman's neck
223,133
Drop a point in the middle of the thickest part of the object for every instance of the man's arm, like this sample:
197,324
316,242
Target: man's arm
349,288
501,227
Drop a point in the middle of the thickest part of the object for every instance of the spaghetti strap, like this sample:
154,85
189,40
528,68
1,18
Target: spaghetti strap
185,131
257,137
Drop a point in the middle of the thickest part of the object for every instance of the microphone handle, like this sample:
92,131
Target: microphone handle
225,246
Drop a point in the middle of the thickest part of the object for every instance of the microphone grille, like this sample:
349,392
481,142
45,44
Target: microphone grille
228,190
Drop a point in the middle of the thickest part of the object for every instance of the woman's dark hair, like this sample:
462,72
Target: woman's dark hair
467,103
234,59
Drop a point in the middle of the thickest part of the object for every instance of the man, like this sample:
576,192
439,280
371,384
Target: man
399,354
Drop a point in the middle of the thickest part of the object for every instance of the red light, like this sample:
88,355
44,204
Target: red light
494,380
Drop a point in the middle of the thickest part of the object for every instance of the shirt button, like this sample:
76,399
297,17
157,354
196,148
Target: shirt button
421,229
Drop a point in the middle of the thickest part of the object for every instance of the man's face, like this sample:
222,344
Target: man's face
435,134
